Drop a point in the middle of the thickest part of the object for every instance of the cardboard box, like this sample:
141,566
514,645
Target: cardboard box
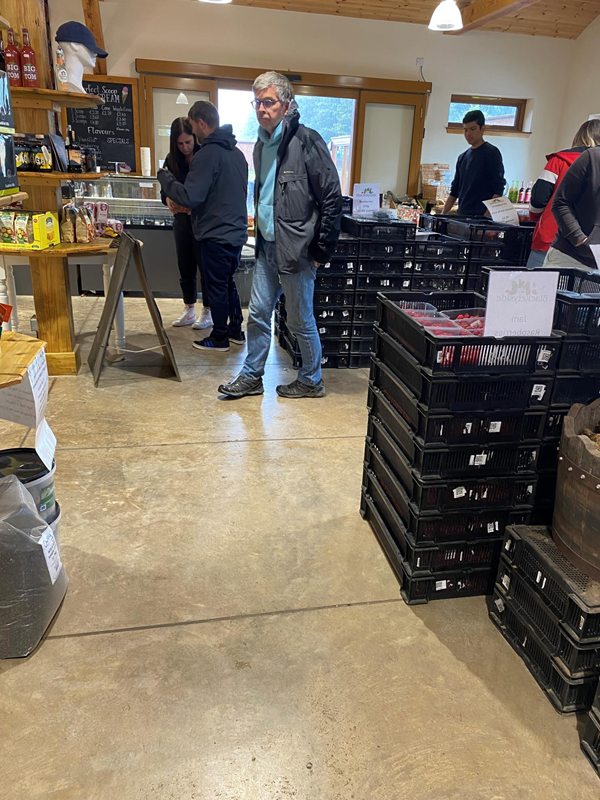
44,231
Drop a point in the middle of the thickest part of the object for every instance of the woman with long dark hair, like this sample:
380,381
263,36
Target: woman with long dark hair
183,149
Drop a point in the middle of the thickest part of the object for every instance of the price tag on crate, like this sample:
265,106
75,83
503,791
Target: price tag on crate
520,303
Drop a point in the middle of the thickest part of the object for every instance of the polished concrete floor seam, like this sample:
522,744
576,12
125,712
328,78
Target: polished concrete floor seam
209,441
230,618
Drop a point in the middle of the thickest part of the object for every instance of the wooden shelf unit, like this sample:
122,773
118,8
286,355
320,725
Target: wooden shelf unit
56,178
18,197
64,250
51,99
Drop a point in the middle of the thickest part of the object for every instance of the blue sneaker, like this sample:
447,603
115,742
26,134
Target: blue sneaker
212,345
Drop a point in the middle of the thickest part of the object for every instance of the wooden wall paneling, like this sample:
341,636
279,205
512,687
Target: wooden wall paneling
31,14
93,19
191,70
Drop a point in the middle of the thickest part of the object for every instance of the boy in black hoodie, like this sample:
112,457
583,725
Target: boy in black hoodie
216,190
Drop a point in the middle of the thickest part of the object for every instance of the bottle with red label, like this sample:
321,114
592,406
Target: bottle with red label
31,76
13,60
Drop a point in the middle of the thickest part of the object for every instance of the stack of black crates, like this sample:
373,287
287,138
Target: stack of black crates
549,611
590,743
377,255
577,323
456,429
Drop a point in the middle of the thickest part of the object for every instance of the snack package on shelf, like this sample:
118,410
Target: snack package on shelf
29,230
7,228
67,227
114,228
82,233
101,214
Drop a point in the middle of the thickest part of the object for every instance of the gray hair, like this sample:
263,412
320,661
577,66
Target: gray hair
284,89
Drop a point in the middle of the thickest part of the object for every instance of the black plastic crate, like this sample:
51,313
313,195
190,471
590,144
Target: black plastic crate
443,283
334,330
515,238
548,458
339,266
346,246
554,423
416,591
432,558
457,461
290,349
362,330
361,346
438,429
494,253
367,314
329,346
368,299
458,353
580,356
436,497
329,315
574,659
578,313
437,268
375,230
570,594
569,390
381,266
442,248
416,375
327,299
335,283
545,493
398,249
590,741
381,283
567,695
456,393
350,361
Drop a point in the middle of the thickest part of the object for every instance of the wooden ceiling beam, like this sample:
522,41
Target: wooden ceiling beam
93,20
481,12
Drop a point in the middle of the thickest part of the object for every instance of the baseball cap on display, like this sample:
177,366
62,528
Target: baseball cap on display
78,33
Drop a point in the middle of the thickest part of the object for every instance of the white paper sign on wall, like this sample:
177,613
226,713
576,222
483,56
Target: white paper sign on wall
520,303
365,198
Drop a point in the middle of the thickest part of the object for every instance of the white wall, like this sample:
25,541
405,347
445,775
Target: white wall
582,96
479,62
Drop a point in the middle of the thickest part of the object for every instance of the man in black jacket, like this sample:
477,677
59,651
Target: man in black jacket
298,215
216,191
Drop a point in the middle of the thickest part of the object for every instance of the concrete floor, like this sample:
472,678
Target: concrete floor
232,630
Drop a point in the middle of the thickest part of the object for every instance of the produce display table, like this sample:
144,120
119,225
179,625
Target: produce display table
17,353
52,296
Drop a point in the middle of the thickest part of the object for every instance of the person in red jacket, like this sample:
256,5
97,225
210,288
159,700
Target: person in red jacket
540,208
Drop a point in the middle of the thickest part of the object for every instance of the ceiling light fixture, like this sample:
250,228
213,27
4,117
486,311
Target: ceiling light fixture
446,17
216,2
182,100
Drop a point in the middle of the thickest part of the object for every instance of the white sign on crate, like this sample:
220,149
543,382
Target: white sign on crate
520,303
502,210
365,199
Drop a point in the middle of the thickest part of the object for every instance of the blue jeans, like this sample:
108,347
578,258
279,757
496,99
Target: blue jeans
299,289
536,259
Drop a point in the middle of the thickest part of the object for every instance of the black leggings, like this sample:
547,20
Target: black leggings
189,261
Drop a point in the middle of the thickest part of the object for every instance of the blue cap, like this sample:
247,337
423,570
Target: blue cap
78,33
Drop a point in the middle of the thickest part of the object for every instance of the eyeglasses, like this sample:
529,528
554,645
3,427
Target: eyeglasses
266,104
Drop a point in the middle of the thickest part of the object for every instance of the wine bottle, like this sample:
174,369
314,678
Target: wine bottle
522,193
31,76
61,70
74,152
528,192
13,61
2,59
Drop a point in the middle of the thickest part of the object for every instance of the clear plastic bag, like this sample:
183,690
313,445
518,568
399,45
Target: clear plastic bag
33,581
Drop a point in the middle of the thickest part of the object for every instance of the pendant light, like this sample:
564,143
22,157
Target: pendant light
446,17
182,100
217,2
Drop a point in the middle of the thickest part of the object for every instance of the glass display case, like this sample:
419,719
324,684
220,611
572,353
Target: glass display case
133,200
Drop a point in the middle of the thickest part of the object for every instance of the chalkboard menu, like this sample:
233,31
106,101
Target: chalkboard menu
112,128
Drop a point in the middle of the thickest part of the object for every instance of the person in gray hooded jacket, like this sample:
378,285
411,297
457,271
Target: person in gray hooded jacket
298,216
